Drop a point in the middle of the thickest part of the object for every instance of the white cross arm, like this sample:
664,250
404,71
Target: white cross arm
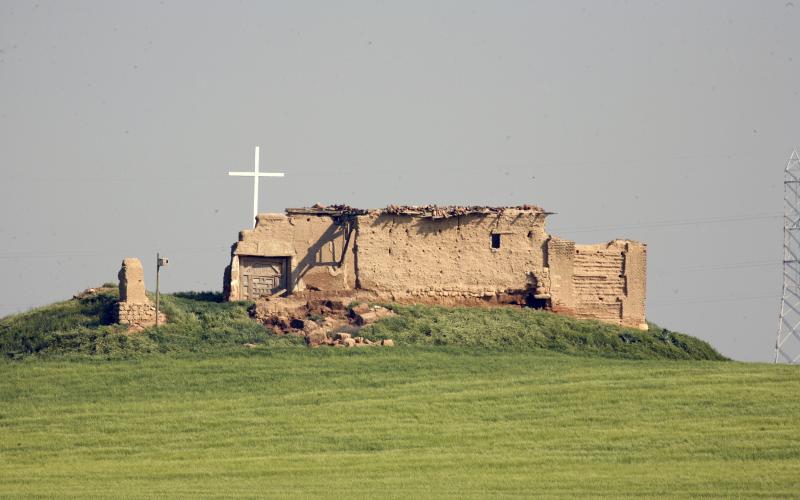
254,174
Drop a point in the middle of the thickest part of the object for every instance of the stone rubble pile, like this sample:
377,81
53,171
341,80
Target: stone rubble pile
321,322
343,339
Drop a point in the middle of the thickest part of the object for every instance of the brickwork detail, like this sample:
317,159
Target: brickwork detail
604,275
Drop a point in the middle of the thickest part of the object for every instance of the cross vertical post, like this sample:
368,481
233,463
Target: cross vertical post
158,272
255,186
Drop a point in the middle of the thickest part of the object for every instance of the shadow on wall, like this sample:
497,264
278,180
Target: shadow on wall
313,257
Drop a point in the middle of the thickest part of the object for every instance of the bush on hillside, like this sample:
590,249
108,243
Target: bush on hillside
531,329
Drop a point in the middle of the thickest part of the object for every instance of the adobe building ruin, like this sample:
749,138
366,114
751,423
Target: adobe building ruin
444,255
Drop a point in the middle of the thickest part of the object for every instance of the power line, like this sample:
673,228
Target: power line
98,253
710,300
735,265
675,223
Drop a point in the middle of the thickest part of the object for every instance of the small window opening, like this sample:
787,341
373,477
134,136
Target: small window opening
495,241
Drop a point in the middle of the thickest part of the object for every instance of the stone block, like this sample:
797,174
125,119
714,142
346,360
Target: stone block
131,282
315,339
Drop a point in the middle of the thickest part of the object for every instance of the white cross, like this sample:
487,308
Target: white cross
255,175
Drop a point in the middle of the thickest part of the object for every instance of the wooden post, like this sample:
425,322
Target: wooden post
158,271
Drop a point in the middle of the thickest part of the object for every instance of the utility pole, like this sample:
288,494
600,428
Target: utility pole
160,262
787,344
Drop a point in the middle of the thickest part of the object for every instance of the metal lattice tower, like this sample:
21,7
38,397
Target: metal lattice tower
787,345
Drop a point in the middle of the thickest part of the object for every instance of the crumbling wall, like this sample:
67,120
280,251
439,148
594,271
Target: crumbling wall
634,309
319,249
134,308
609,282
404,257
449,256
561,263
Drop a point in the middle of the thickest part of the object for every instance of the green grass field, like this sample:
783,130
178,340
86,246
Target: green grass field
401,423
470,404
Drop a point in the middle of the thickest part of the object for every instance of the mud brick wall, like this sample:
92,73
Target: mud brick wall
561,263
634,310
609,282
403,257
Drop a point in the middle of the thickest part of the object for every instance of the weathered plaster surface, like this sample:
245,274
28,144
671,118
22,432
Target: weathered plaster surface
405,256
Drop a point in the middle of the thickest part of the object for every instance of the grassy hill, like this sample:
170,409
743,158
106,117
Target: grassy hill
201,322
472,403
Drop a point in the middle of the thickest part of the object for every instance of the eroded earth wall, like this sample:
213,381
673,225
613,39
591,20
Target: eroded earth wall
405,257
605,281
496,257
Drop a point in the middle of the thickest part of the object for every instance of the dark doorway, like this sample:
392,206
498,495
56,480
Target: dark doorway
534,303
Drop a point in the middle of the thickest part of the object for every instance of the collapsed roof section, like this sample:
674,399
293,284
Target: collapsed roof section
423,211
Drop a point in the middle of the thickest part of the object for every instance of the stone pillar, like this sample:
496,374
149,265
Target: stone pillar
134,308
131,282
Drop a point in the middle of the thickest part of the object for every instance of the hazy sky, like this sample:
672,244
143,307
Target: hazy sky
667,122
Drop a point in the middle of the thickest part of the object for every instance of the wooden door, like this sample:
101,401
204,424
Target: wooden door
261,276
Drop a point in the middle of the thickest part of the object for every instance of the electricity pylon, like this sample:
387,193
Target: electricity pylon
787,345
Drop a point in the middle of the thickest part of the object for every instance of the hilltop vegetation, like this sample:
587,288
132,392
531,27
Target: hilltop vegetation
202,322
